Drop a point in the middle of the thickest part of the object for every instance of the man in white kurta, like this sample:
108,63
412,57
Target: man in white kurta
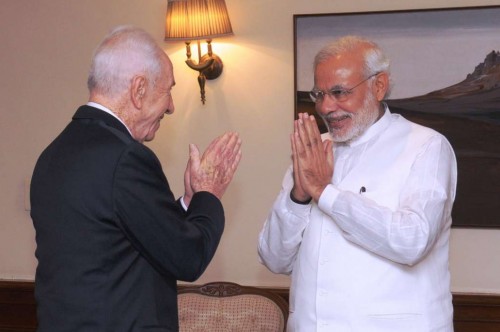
368,251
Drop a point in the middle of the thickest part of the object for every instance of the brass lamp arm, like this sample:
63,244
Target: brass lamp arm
209,66
199,66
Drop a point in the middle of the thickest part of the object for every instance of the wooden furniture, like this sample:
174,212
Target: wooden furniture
226,306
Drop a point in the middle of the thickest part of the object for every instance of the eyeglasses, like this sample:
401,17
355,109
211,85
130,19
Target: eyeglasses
339,94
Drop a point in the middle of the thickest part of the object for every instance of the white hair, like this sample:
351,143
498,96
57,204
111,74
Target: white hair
375,61
124,53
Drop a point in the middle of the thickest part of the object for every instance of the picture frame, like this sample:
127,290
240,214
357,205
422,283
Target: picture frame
445,69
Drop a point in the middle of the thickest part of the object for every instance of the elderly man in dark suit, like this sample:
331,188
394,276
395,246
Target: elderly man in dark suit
111,238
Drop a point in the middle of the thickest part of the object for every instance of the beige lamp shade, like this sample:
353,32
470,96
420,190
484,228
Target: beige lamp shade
196,19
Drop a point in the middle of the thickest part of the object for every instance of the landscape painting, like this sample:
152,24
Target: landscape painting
445,74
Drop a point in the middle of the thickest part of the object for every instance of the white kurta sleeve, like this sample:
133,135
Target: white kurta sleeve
405,234
280,238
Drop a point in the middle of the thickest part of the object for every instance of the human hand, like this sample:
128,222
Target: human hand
298,192
312,159
188,189
215,169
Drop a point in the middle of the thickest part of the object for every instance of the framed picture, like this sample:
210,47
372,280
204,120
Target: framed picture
445,69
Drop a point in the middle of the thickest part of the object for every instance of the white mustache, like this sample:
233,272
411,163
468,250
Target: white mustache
336,116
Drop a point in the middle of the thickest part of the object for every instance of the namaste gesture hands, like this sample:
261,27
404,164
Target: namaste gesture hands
214,170
312,159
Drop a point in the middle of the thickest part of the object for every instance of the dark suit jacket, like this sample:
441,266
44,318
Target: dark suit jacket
111,238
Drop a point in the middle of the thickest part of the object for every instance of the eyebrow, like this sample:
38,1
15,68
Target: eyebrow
335,87
339,87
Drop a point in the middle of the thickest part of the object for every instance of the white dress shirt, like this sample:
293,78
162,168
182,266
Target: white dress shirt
372,255
107,110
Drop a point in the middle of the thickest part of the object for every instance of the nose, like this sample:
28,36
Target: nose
327,105
171,107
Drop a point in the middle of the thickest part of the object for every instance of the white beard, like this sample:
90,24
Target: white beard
361,121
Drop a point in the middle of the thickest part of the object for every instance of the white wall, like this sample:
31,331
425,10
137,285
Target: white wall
45,50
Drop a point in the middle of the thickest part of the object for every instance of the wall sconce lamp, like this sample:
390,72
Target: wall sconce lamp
189,20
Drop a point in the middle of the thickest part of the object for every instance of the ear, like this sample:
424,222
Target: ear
381,85
137,91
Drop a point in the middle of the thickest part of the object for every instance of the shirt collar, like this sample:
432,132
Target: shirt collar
107,110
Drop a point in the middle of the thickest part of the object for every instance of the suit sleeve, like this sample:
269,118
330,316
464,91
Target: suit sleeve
179,244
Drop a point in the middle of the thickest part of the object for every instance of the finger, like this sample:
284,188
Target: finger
237,149
214,152
314,129
188,166
316,148
228,169
187,177
299,148
302,132
234,156
300,162
313,134
216,143
294,149
228,145
294,159
302,143
294,162
225,139
227,154
236,162
233,145
194,156
328,146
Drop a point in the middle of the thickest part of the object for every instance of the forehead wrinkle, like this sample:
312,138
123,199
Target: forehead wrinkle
344,72
334,73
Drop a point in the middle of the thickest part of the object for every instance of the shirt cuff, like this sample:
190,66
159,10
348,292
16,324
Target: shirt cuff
183,204
328,197
297,209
